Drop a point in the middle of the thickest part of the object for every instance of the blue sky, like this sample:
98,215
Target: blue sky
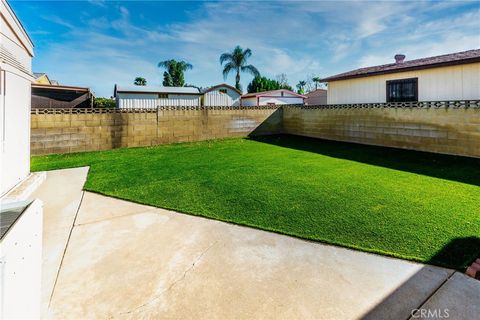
99,43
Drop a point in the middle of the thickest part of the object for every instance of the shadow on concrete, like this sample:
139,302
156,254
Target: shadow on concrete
455,168
410,299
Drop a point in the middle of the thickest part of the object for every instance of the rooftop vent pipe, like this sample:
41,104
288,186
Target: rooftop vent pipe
399,58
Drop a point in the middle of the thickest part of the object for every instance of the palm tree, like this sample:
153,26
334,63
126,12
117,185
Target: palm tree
237,61
140,81
317,80
174,76
301,84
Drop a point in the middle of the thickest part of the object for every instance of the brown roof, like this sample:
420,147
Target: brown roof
268,93
316,93
59,87
464,57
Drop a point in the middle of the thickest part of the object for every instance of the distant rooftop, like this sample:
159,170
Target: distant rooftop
221,85
155,89
316,93
38,74
271,92
400,65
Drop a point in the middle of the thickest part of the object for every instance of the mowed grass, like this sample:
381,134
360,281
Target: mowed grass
406,204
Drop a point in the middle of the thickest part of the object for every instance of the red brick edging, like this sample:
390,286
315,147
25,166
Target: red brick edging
474,270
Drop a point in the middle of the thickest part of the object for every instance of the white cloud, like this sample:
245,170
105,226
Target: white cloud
59,21
295,38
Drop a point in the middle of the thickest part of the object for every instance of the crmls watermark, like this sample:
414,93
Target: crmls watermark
430,313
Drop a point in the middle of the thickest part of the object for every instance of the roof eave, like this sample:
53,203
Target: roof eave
223,85
167,92
427,66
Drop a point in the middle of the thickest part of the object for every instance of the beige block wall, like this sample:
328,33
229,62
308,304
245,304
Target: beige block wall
64,133
442,130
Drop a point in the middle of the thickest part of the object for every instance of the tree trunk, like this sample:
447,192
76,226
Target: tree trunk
237,80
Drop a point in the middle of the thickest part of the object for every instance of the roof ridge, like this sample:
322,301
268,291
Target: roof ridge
461,57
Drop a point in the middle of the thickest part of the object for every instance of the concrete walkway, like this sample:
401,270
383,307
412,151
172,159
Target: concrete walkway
125,260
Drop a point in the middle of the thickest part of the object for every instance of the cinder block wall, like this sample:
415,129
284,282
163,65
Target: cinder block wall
443,130
69,131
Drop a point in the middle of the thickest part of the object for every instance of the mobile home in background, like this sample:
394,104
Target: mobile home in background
150,97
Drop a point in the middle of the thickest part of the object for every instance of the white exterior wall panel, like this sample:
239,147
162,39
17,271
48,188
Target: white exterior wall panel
262,101
16,51
21,266
15,133
280,100
151,101
461,82
217,98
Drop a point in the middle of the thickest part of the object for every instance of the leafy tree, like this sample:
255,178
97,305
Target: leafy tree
201,89
175,74
167,80
301,86
140,81
104,103
236,61
316,80
260,84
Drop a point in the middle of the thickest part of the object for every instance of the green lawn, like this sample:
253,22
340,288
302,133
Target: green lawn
406,204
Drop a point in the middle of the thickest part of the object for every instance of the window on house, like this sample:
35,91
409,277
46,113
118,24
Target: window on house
402,90
162,96
270,103
223,91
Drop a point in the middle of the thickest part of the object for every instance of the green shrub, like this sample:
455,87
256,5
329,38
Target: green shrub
104,103
260,84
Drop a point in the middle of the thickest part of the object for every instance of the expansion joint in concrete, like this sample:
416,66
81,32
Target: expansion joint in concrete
65,249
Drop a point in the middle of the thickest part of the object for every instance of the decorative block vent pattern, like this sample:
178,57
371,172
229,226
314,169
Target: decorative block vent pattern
451,127
419,104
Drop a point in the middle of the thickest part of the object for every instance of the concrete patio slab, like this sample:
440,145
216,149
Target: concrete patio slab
61,194
96,207
127,261
458,298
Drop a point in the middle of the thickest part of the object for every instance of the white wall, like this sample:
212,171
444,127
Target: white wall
217,98
15,100
461,82
21,266
151,101
15,156
280,100
250,102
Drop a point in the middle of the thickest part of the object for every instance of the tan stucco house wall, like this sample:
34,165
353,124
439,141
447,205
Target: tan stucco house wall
459,82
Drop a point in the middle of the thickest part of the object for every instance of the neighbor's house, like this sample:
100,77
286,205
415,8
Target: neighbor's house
453,76
20,219
274,97
60,96
42,78
152,97
221,95
316,97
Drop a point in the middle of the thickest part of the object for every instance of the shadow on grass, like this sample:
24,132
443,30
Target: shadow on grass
411,298
455,168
